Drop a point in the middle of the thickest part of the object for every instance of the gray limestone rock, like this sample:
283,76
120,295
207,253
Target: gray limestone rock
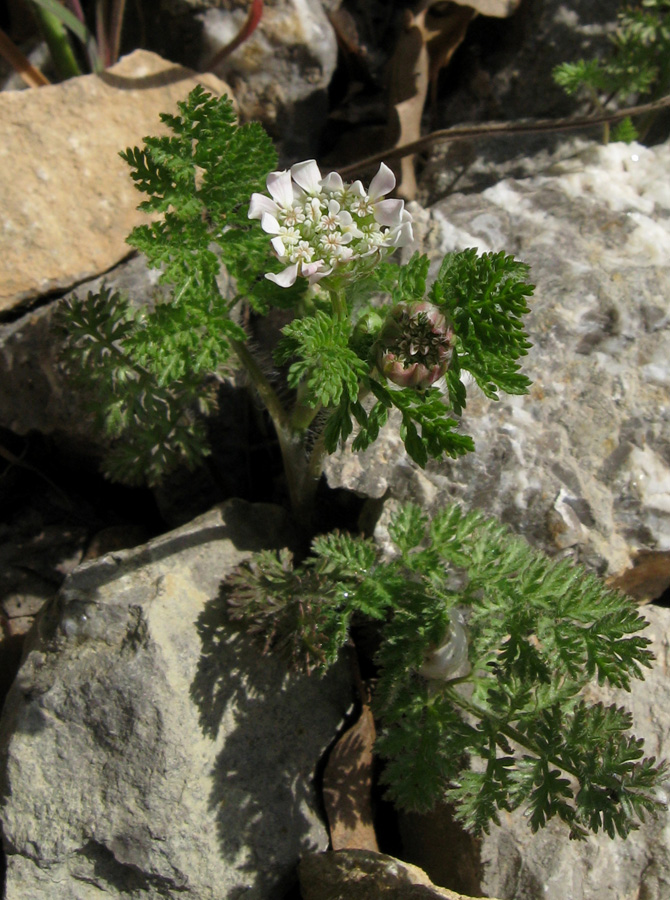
280,75
582,463
504,73
36,395
148,750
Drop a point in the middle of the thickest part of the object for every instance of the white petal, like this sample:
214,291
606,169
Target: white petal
353,230
261,204
317,276
389,212
307,176
382,183
310,268
269,224
285,278
401,236
345,218
334,207
279,185
278,246
333,182
356,189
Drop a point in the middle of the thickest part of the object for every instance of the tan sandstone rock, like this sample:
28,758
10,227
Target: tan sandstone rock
365,875
66,197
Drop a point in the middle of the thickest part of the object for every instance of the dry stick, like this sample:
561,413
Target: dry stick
21,64
491,129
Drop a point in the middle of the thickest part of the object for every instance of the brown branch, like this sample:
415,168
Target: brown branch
502,129
21,64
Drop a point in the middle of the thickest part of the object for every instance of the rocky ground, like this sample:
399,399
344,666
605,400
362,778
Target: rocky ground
133,764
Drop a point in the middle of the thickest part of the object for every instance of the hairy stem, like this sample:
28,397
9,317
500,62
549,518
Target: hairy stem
265,390
301,486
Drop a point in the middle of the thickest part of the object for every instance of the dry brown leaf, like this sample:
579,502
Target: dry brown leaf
407,95
427,43
347,787
647,579
346,32
499,9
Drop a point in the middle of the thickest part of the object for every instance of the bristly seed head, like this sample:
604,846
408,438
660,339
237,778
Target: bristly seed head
415,345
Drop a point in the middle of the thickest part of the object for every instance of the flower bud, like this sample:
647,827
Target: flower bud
415,345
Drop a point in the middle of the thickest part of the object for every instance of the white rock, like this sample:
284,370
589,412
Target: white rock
598,409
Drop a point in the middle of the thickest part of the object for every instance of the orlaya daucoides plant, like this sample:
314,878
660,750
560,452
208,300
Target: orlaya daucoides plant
485,647
368,336
489,673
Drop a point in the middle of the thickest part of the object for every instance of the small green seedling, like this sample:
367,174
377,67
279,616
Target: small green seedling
639,64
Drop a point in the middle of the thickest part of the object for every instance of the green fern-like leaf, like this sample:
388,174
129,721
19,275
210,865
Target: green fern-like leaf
485,298
508,727
325,364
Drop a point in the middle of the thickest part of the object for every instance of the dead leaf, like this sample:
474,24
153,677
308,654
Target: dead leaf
347,787
346,32
426,45
499,9
648,578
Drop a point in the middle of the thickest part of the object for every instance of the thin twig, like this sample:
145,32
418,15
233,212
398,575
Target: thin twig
20,63
115,27
502,129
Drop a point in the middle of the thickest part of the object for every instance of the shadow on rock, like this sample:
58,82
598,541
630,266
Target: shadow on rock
273,727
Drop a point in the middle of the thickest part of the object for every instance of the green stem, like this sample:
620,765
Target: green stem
58,43
303,415
600,108
267,393
509,731
339,303
300,483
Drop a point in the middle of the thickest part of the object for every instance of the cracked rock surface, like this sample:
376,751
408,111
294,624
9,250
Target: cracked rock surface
149,750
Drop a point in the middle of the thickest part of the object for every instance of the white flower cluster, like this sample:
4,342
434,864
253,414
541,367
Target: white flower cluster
320,223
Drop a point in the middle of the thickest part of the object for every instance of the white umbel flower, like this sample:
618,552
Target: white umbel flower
320,224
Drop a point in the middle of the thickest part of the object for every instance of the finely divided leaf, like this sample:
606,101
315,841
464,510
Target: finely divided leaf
485,298
326,366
